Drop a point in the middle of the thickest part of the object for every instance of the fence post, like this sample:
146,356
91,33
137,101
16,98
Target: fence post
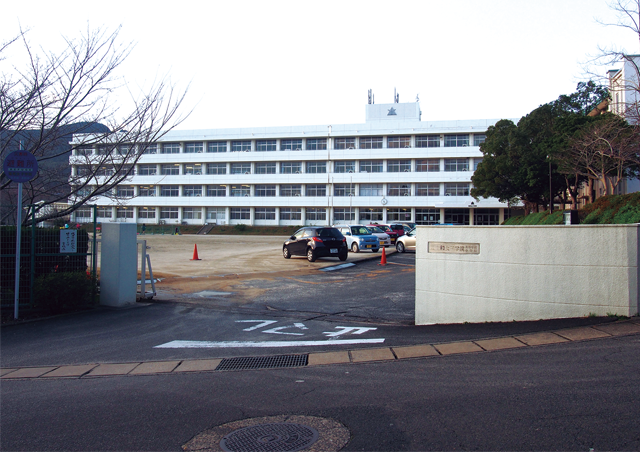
33,254
94,255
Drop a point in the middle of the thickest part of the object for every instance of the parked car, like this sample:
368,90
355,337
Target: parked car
407,242
393,235
359,237
383,238
398,227
315,242
410,226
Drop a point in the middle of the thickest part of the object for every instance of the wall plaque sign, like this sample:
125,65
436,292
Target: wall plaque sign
454,248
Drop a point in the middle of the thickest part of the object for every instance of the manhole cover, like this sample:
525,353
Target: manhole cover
270,437
273,433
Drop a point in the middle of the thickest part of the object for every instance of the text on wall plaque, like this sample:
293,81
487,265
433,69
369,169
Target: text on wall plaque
454,248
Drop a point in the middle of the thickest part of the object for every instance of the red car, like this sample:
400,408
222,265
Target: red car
393,234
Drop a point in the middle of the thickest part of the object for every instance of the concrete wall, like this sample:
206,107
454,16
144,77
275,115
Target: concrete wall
118,264
526,273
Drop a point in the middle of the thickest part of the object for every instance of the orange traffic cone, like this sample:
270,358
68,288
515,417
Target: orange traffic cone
195,253
383,259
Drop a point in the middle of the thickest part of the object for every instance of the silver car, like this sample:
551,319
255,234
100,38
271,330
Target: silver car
406,242
383,237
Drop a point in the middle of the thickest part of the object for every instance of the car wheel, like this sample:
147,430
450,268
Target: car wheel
400,247
311,255
285,252
376,250
354,247
343,256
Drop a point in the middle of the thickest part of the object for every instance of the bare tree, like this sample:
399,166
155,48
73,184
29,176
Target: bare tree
65,104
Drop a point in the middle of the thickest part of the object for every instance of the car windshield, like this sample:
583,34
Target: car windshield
360,230
329,232
375,229
384,228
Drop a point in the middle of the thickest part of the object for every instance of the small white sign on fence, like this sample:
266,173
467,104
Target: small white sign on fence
68,241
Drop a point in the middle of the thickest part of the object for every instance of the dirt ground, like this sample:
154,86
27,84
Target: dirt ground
226,263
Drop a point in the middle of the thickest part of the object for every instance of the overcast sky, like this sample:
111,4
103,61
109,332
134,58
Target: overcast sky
276,63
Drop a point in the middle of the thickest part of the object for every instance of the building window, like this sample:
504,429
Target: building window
399,142
240,146
146,190
265,213
346,214
83,171
427,141
398,190
147,170
478,139
291,145
240,190
241,168
345,143
427,216
150,149
371,190
84,151
240,213
170,148
291,190
316,214
347,166
217,146
454,141
105,171
290,167
193,148
371,166
124,212
123,150
370,215
105,212
316,190
427,189
191,213
146,212
169,213
266,168
316,167
193,168
452,165
217,190
394,215
288,214
456,216
486,217
192,190
370,142
170,169
216,213
83,212
316,144
344,189
265,190
125,191
428,165
105,150
170,190
398,166
216,168
456,189
266,145
476,162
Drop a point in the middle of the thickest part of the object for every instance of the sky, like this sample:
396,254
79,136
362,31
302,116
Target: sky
285,63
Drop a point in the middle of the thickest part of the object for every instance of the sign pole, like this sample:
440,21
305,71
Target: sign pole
18,240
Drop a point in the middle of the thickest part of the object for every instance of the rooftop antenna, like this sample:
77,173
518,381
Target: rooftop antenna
396,97
370,97
417,97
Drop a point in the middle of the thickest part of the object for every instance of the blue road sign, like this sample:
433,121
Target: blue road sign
20,166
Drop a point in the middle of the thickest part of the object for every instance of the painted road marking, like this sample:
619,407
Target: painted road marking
295,325
336,267
261,323
348,330
265,344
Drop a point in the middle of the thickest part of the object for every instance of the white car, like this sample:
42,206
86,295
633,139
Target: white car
383,237
406,242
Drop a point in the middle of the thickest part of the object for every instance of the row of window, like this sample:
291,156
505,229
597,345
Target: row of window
311,214
287,190
309,144
346,166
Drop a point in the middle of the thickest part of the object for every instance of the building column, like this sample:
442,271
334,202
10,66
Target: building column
441,216
278,216
252,216
303,216
471,216
227,215
203,214
501,215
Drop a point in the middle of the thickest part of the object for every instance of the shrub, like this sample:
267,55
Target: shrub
59,292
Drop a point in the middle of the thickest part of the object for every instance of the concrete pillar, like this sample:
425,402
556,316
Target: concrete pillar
441,216
118,264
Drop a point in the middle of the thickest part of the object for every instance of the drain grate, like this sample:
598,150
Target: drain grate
283,437
264,362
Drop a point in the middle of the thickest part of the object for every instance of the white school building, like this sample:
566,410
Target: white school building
393,167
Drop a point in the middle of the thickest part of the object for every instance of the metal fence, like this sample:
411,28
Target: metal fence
55,263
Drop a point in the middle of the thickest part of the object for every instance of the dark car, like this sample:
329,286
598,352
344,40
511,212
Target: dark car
315,242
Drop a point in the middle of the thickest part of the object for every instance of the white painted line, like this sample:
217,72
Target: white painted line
253,344
336,267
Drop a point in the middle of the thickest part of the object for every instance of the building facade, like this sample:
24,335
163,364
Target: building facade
394,167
